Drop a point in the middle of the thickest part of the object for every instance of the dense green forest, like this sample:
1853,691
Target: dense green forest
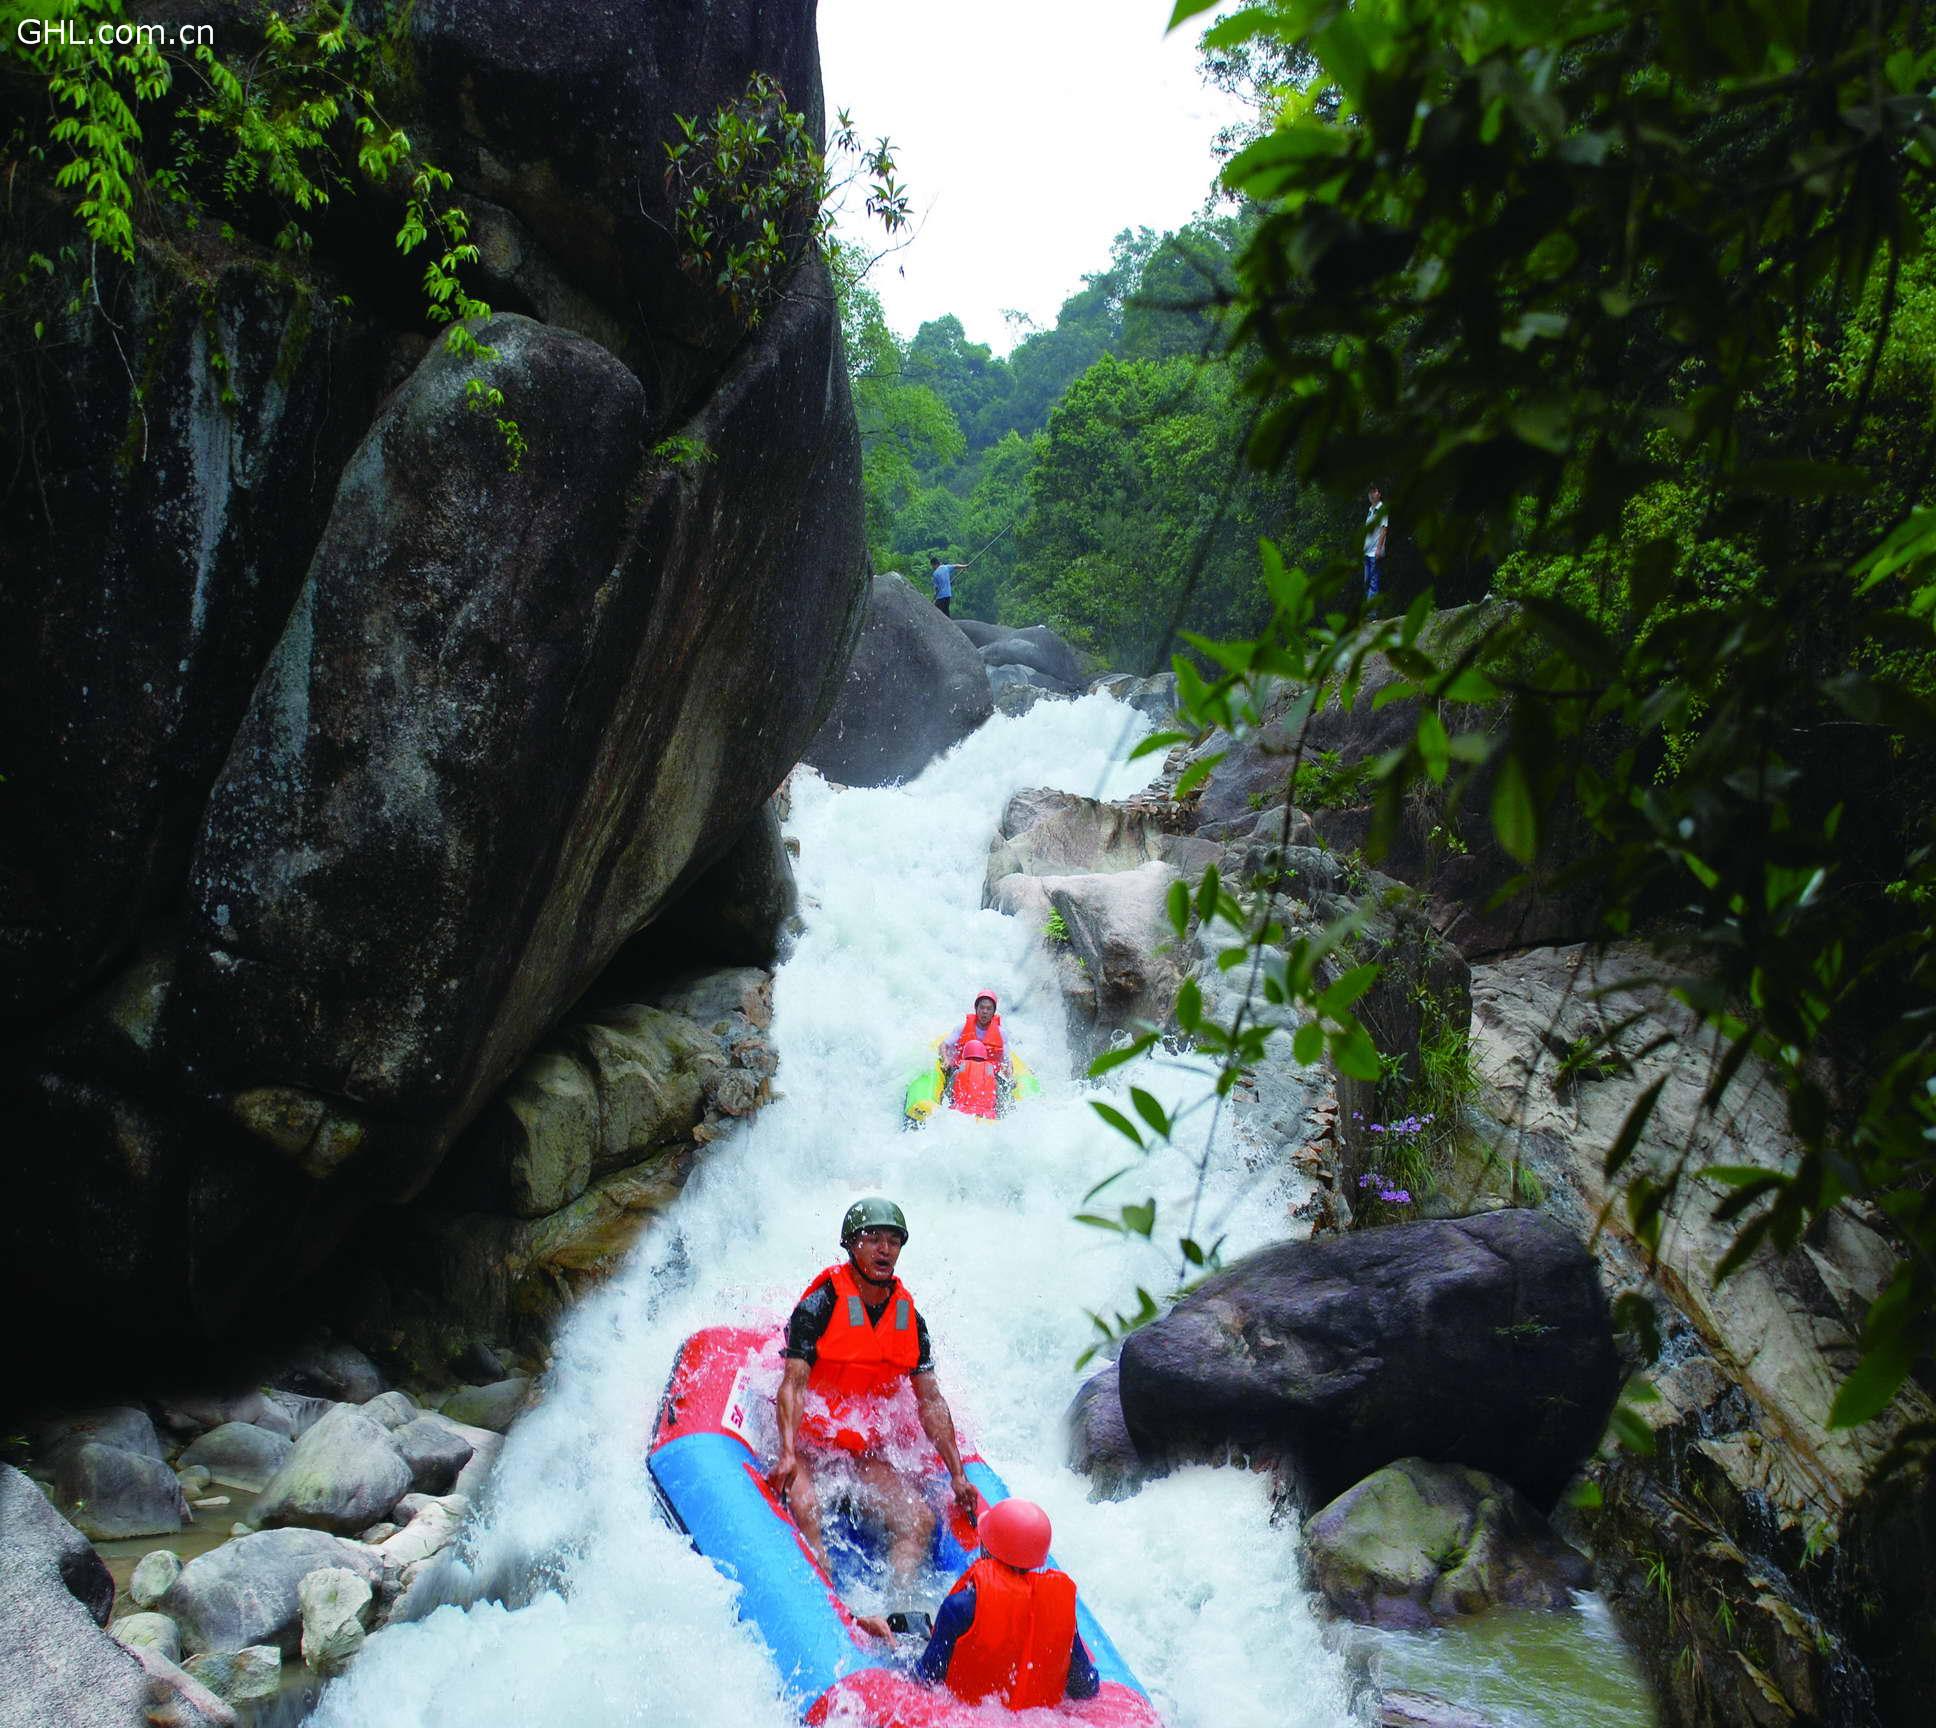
1095,472
1633,318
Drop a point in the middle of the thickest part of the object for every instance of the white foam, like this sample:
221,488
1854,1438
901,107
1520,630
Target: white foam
611,1619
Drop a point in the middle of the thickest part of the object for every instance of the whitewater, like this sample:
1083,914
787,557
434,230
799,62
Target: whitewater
569,1603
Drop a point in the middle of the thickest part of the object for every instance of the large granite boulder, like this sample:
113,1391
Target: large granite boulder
343,1475
245,1593
1049,833
1417,1544
1484,1341
390,748
554,114
1118,963
914,688
59,1666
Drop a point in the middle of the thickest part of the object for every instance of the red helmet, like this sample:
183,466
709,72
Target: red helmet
992,999
1015,1532
973,1050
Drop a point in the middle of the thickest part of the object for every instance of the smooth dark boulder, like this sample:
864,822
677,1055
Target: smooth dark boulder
737,914
1481,1341
914,688
334,1370
981,633
1100,1446
436,1456
154,543
1041,650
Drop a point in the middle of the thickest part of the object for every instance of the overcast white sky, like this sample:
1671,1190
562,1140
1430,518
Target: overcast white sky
1030,132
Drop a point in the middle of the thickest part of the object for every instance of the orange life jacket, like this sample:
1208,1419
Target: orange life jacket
973,1089
1016,1649
857,1389
992,1037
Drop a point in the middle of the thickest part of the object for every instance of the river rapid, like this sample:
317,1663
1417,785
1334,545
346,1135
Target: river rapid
570,1605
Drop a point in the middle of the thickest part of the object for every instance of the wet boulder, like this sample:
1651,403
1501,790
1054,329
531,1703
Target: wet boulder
1481,1341
1039,649
111,1493
1154,696
914,688
494,1407
343,1475
149,1631
246,1676
1118,964
153,1576
245,1593
1418,1544
239,1454
1049,833
435,1453
1100,1446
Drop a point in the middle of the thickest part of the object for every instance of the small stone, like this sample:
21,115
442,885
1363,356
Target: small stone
152,1578
239,1676
150,1632
213,1500
379,1533
194,1480
239,1528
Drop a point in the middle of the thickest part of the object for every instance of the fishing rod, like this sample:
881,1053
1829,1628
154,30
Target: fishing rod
1010,523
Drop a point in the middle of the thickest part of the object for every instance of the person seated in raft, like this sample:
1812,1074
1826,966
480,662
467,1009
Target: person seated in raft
976,1086
983,1024
1007,1630
859,1391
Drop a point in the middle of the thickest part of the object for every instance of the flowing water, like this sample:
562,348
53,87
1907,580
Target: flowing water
572,1605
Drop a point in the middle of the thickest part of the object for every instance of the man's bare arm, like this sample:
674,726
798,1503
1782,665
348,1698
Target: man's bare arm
787,1405
939,1424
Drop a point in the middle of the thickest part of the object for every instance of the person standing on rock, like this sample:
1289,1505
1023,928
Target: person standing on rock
1377,532
1006,1632
943,577
859,1392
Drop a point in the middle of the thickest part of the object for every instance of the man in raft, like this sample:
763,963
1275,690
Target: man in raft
983,1026
859,1388
1007,1630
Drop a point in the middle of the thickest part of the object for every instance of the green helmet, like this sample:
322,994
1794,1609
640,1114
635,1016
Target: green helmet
872,1213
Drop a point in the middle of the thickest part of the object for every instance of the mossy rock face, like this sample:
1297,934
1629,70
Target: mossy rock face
1417,1544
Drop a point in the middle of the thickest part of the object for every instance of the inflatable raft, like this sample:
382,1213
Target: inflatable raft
708,1460
928,1090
